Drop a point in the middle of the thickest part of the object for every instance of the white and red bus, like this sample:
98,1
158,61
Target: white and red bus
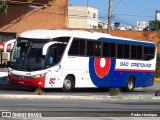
79,59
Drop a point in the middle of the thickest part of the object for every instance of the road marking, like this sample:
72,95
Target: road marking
46,104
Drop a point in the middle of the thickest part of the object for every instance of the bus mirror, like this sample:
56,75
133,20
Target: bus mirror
46,46
7,43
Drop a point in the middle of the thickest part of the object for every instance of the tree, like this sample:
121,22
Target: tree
158,63
100,26
3,8
154,25
157,25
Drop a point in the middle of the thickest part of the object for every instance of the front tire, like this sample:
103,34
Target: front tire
68,84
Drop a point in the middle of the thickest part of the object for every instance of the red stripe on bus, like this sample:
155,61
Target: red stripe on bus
133,70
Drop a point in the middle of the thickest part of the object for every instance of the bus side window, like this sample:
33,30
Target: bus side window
74,49
139,52
148,53
98,47
120,50
112,49
82,45
90,48
105,49
133,52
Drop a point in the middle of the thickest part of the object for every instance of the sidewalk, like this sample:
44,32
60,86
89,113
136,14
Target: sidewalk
82,97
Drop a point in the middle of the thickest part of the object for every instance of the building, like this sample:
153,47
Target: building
82,17
157,15
141,25
23,15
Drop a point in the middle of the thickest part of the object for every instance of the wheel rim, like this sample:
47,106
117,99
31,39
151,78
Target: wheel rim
67,84
130,84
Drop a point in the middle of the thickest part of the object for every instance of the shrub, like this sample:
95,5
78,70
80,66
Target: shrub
114,91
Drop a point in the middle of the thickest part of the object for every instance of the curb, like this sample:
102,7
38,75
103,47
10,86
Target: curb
97,97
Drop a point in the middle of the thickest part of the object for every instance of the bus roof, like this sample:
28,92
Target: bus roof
49,34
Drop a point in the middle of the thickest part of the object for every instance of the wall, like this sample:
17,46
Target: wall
82,17
21,18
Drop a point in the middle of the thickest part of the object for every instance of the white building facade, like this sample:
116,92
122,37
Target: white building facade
141,25
157,14
82,17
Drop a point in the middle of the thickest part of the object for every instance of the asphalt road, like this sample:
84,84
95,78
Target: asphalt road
85,102
81,108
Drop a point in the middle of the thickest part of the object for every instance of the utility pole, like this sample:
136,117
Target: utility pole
109,17
87,2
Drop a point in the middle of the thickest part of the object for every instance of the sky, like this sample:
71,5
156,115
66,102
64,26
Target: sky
127,12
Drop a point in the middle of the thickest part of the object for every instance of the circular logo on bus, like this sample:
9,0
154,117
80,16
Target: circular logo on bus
100,70
102,66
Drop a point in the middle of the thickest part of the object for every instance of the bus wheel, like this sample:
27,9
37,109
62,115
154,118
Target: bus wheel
68,84
130,84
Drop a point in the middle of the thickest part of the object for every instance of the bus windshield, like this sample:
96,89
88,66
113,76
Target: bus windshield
27,54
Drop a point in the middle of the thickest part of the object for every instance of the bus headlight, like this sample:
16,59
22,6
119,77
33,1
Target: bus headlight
39,75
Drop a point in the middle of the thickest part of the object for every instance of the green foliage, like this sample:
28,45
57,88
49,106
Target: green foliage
99,26
158,64
157,25
38,91
3,8
154,25
114,91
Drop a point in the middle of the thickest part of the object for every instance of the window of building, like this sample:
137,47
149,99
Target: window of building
94,15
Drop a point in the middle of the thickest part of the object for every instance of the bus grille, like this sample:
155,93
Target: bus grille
21,76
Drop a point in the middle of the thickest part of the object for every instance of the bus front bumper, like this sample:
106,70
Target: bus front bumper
35,82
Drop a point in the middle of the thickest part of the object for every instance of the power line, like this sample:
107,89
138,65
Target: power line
116,5
142,9
133,15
